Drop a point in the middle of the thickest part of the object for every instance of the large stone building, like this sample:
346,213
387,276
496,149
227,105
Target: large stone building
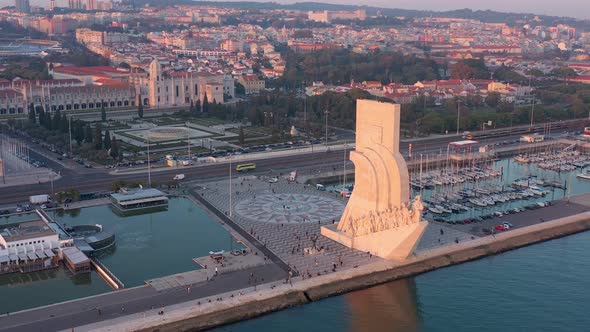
88,36
326,16
165,89
252,84
63,94
87,88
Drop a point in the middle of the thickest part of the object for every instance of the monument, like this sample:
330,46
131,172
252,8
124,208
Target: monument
379,217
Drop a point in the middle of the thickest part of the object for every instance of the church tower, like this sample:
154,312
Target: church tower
155,80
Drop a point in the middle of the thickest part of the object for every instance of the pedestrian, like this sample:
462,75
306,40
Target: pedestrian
216,271
122,308
99,311
188,290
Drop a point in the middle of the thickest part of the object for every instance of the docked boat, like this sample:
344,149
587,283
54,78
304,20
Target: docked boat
584,175
435,210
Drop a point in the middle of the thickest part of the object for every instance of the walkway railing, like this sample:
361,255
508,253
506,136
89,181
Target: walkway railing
259,246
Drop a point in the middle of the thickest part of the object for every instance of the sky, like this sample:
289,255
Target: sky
573,8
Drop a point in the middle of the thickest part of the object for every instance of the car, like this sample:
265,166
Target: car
507,223
498,214
499,227
486,216
43,206
467,221
477,219
439,219
19,209
6,212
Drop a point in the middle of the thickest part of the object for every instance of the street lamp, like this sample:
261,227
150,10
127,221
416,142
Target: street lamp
230,189
533,112
327,112
458,115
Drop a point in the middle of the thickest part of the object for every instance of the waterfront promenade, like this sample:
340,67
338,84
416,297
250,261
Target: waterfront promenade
131,309
200,314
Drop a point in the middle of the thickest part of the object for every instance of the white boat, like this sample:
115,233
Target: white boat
443,209
435,210
585,175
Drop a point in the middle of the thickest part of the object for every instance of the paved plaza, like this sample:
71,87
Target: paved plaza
289,208
286,217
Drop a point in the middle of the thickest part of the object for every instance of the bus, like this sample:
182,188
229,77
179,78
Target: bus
245,167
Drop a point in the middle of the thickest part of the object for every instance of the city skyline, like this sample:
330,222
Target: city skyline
572,8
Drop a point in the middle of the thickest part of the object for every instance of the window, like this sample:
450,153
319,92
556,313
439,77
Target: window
177,94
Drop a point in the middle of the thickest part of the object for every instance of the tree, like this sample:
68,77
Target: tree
107,140
78,131
241,136
56,121
192,108
48,121
65,126
98,137
32,116
239,89
140,109
493,99
88,134
198,108
205,104
103,114
114,148
41,116
469,68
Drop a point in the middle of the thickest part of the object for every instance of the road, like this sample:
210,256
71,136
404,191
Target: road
88,180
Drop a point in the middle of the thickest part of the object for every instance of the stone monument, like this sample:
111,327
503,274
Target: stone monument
379,217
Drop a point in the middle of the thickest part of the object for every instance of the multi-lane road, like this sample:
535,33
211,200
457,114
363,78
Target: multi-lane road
88,180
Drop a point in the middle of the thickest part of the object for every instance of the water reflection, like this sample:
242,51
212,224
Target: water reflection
388,307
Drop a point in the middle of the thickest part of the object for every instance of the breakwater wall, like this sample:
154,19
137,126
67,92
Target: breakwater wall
196,316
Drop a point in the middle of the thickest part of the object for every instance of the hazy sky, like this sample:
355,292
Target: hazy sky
574,8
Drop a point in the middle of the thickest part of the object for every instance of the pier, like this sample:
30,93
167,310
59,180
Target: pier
109,277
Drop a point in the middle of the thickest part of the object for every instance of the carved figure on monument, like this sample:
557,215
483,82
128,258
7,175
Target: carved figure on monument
417,208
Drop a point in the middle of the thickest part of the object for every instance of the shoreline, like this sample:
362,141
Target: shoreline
195,316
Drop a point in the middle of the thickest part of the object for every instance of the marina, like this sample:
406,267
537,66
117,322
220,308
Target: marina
142,242
496,187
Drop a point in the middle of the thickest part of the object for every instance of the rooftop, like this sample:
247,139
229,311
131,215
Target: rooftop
137,194
25,230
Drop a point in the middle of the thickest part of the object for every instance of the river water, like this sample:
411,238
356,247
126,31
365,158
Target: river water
544,287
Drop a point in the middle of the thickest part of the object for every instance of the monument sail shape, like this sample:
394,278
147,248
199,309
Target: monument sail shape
379,216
